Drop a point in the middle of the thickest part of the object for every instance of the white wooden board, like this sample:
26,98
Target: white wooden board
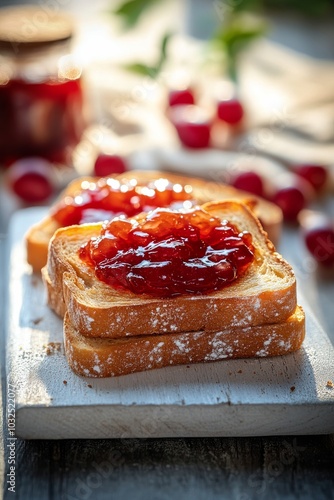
285,395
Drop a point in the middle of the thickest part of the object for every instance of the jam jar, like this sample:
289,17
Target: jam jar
41,94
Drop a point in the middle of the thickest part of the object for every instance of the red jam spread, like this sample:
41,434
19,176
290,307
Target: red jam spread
168,253
108,198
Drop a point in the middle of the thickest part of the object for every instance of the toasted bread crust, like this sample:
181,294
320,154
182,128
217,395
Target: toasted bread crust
106,357
266,293
37,241
39,235
55,299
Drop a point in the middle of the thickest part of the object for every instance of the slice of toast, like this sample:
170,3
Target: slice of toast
96,357
264,294
39,235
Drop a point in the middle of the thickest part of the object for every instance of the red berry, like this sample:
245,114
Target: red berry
181,96
249,181
290,193
31,179
316,175
192,125
109,164
230,111
318,233
320,243
291,200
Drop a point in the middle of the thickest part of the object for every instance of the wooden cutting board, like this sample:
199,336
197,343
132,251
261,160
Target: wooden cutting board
284,395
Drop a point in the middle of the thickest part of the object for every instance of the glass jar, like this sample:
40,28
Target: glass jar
41,96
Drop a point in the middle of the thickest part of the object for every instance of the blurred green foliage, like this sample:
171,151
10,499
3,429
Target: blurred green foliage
152,70
234,35
319,8
236,29
131,11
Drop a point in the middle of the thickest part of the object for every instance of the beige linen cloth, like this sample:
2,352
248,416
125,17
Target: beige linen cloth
290,99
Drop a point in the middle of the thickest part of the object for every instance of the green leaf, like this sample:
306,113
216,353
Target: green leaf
142,69
234,35
164,44
240,31
163,50
131,11
153,70
311,8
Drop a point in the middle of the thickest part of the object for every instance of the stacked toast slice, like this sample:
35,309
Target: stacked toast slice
111,332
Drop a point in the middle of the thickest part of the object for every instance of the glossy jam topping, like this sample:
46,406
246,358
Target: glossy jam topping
109,197
168,253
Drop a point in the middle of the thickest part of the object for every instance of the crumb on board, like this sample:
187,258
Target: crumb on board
36,321
65,382
292,388
90,386
330,384
52,348
34,281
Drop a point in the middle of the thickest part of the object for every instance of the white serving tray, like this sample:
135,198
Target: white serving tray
284,395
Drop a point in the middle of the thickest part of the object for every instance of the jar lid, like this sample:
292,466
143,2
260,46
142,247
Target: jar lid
24,27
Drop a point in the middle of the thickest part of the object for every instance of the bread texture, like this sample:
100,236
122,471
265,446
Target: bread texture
96,357
39,235
264,294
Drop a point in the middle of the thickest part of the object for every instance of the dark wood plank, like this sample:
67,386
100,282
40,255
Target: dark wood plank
215,468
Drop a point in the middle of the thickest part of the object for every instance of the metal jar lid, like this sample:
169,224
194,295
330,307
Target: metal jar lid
30,27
